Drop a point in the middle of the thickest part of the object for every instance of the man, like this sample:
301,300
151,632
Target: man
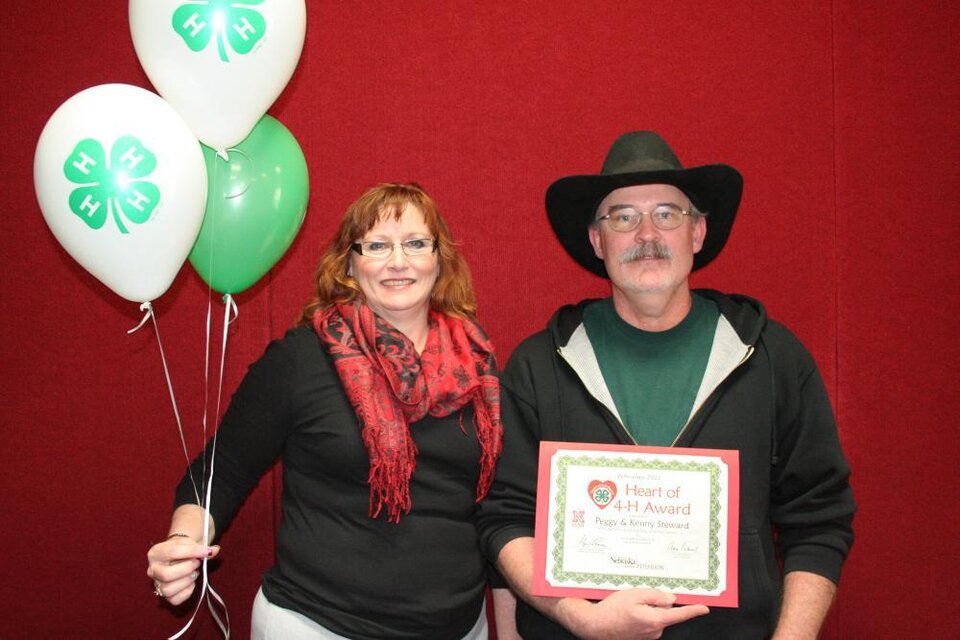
660,364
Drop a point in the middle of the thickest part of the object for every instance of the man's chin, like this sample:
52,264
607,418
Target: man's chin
647,286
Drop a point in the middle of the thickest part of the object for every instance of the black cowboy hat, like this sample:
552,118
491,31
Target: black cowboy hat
636,158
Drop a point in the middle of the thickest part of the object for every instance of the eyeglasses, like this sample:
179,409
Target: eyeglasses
625,218
380,249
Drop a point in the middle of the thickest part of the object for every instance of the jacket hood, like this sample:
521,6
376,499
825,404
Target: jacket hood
747,316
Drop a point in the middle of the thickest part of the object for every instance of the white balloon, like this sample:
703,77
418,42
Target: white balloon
219,63
121,182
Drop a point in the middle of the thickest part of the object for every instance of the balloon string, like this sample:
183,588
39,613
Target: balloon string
214,601
206,382
150,315
214,188
207,592
230,313
146,306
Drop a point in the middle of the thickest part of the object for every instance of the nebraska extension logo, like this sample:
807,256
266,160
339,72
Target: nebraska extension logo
232,22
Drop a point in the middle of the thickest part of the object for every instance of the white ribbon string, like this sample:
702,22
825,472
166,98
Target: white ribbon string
206,382
207,592
213,599
207,588
230,313
150,315
146,306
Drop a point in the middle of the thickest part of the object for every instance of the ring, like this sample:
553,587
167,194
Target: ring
156,590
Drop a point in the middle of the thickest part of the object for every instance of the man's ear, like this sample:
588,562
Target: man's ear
699,233
594,234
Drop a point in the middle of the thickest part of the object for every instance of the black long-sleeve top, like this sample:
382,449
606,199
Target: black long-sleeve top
358,577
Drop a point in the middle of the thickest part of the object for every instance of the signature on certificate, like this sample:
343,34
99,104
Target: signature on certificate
683,546
591,543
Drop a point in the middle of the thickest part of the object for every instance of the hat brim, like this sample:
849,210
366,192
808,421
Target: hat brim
572,201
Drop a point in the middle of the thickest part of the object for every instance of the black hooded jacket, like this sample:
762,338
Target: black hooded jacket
761,395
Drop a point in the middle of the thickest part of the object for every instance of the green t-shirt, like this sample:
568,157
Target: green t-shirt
653,376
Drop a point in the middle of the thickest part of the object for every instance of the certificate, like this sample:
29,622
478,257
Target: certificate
612,517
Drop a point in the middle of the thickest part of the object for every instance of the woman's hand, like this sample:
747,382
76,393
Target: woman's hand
174,566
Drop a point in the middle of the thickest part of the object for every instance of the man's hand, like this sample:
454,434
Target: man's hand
637,614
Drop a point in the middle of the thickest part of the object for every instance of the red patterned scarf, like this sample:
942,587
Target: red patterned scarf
390,386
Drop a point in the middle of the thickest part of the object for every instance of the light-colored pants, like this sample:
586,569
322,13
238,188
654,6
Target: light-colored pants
270,622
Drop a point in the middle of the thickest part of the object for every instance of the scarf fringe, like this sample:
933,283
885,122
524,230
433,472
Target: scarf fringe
490,436
390,487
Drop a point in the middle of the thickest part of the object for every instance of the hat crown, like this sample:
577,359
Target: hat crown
640,151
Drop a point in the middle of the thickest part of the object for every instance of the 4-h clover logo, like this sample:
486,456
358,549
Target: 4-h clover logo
230,20
115,188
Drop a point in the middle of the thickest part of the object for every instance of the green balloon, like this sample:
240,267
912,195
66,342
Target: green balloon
256,202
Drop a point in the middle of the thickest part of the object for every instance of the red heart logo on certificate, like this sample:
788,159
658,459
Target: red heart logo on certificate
602,492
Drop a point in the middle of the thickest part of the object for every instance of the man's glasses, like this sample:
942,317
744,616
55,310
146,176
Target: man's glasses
381,249
625,218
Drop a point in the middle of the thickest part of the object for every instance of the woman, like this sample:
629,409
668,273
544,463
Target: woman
384,407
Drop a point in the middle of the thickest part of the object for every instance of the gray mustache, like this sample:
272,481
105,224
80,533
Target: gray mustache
645,250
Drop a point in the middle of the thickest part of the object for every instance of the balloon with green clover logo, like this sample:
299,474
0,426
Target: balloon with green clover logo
256,203
219,63
121,183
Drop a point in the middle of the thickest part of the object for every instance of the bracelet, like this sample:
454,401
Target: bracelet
178,535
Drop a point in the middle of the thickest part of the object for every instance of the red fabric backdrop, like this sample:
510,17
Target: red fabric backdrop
841,115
